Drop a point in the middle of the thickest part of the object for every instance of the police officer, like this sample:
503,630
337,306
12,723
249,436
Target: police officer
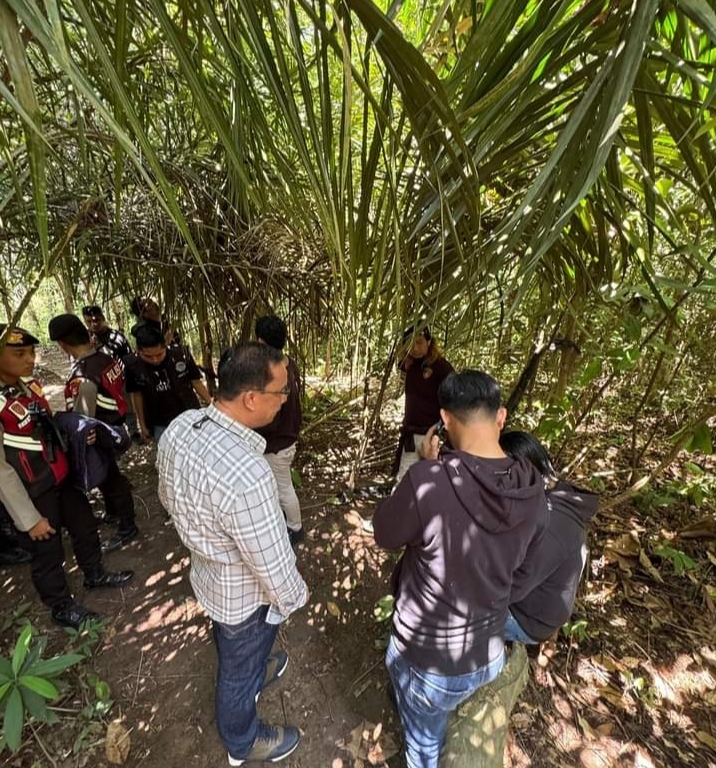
95,387
163,381
106,339
34,487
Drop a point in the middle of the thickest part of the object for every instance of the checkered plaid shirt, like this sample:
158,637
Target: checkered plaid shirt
223,499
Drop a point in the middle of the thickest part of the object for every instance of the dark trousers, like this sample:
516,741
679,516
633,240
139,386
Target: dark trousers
243,651
118,501
64,507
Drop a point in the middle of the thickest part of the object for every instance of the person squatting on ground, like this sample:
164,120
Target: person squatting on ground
282,433
466,519
95,387
545,586
424,367
163,381
35,490
222,496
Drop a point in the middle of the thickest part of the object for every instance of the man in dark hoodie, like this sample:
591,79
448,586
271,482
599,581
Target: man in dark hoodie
466,519
545,586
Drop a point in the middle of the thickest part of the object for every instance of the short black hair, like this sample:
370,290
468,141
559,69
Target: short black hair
246,366
149,336
272,330
466,393
517,443
69,329
92,310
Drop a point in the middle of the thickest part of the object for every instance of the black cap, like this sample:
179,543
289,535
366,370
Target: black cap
63,325
18,337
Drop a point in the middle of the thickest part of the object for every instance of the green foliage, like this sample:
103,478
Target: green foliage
383,609
28,682
576,630
701,440
16,617
85,639
696,487
296,478
679,560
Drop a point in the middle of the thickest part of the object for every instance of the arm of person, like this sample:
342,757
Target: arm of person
85,399
201,390
195,377
254,521
18,503
396,521
138,406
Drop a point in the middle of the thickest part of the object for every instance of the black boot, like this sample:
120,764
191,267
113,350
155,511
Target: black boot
107,579
121,539
72,615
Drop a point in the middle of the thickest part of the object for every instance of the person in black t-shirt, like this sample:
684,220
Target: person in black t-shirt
114,342
282,433
163,381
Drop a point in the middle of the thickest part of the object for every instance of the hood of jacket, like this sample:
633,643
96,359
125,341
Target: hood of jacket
499,494
577,503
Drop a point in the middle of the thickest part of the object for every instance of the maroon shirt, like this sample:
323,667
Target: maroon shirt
283,430
422,380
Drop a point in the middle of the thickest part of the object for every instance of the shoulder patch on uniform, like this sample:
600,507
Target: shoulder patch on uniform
36,387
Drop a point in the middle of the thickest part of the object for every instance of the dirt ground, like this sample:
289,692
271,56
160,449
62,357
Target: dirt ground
634,686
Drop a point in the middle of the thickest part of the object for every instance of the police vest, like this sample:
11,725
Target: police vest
107,374
39,466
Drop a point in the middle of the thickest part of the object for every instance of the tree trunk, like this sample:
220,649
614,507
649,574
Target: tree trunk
477,735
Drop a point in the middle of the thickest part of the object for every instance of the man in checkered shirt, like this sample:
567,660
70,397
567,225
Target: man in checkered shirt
223,499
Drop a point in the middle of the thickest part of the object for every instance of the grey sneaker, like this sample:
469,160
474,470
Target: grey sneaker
275,667
272,744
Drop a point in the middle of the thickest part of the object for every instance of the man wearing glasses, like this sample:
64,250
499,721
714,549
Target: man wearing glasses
223,498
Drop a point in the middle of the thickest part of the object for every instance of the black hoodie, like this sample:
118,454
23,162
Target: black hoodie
466,523
545,586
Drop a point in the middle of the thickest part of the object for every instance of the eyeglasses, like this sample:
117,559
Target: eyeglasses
284,391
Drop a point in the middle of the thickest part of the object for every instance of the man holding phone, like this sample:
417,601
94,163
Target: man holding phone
466,519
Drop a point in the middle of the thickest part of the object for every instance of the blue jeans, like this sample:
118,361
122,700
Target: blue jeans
425,701
515,633
243,651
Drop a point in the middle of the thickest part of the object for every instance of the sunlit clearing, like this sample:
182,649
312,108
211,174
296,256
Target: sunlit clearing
154,578
678,683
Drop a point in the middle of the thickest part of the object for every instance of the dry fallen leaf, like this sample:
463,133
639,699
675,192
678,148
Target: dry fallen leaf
649,566
116,745
707,739
627,545
701,529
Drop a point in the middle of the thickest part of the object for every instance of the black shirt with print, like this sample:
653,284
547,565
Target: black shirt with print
166,388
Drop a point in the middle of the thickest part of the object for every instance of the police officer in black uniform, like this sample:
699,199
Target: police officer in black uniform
163,382
35,490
